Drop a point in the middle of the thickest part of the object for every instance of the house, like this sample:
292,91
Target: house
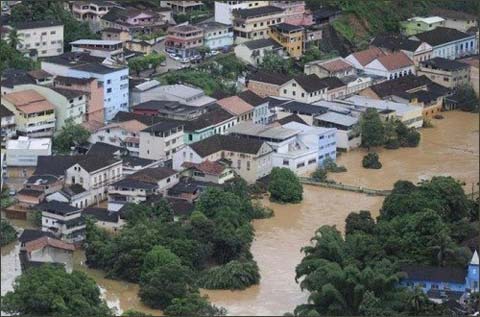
449,43
25,151
8,126
187,189
74,195
124,134
46,184
261,112
445,72
152,90
64,221
416,50
109,49
390,66
93,90
284,107
162,140
237,107
207,171
334,67
458,20
105,219
443,283
417,25
266,84
223,10
252,52
137,187
14,77
29,197
138,47
70,105
473,61
312,36
45,37
254,23
114,34
290,37
215,121
415,90
182,6
361,59
91,11
251,159
347,133
217,35
34,115
357,83
184,40
295,12
169,109
290,147
47,250
311,88
82,65
326,15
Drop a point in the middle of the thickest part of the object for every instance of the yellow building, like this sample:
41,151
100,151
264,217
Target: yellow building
290,37
34,115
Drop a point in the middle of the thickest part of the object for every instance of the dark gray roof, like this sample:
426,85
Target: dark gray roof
101,148
122,116
441,35
31,234
444,64
303,108
101,214
252,98
42,179
395,42
73,58
180,207
57,164
30,192
4,112
68,93
267,77
73,80
291,118
256,12
56,207
163,126
311,83
434,273
152,175
14,77
134,183
166,106
97,68
286,28
261,43
135,161
400,86
36,24
231,143
333,82
214,116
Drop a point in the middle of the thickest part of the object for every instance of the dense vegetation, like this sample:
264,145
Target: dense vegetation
11,58
7,233
141,63
467,99
284,186
328,165
167,258
274,63
50,291
358,274
70,135
371,160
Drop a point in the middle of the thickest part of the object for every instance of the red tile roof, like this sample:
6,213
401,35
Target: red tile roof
208,167
366,56
42,242
336,65
395,61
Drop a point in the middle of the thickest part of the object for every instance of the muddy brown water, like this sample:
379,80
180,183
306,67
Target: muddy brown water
450,148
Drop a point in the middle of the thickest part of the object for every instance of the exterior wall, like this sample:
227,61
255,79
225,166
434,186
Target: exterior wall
291,42
40,124
376,68
223,10
336,93
116,136
48,41
415,27
90,12
449,79
140,46
195,136
53,255
67,233
263,89
261,114
294,12
423,52
294,91
8,127
427,285
253,57
255,28
160,148
322,73
456,49
218,38
359,84
461,25
432,109
118,36
25,157
182,43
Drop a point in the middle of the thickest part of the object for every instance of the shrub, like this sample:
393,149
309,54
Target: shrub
412,139
233,275
392,144
371,161
330,165
285,186
319,175
7,233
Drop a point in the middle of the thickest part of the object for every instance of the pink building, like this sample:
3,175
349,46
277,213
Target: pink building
94,90
295,12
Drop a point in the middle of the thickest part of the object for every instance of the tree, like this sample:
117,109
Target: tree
157,257
315,53
14,39
70,135
372,129
141,63
272,62
233,275
467,99
7,233
134,313
285,186
193,305
371,161
319,175
203,51
11,58
50,291
361,221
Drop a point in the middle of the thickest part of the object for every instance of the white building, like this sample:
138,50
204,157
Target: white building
252,52
100,48
63,220
449,43
46,37
223,9
347,133
25,151
161,140
7,123
391,66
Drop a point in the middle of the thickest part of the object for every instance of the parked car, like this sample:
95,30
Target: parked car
214,52
12,192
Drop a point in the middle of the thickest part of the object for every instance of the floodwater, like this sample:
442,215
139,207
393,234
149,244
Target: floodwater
450,148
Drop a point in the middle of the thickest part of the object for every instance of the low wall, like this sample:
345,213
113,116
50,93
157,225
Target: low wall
351,188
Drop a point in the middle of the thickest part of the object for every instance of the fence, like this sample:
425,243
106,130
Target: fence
351,188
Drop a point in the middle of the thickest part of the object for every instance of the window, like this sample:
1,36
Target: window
286,162
284,91
248,165
300,165
109,90
53,32
109,81
239,164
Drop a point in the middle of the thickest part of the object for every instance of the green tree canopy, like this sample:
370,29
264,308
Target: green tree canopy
7,232
193,305
285,186
70,135
371,128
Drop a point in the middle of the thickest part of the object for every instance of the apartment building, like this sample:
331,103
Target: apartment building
255,23
62,220
448,73
215,121
251,159
161,140
184,40
416,50
334,67
34,114
295,12
252,52
449,43
45,37
206,171
82,65
8,126
224,9
169,109
91,11
93,90
182,6
347,128
290,37
217,35
111,49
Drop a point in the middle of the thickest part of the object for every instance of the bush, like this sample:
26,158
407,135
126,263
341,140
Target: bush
392,144
233,275
285,186
193,305
330,165
371,161
7,233
412,139
319,175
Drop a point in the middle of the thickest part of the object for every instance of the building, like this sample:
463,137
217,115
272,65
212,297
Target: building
182,6
237,107
24,151
290,37
251,159
261,112
161,140
46,250
357,83
326,15
111,49
334,67
207,171
312,36
124,134
417,51
137,187
295,12
255,23
449,43
252,52
224,9
311,88
93,90
152,90
8,126
45,184
82,65
217,35
417,25
361,59
91,12
34,115
446,72
45,37
184,40
443,283
62,220
347,133
105,219
266,84
458,20
474,76
285,107
169,109
12,78
215,121
113,34
390,66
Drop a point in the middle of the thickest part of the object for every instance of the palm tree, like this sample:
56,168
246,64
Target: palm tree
14,39
442,246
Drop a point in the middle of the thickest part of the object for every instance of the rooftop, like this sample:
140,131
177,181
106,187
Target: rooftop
4,112
163,126
395,61
287,28
444,64
441,35
235,105
45,241
362,101
95,42
333,65
231,143
262,131
134,183
211,118
291,118
130,125
256,12
57,207
37,24
337,118
395,42
101,214
451,14
30,235
251,98
28,101
267,77
427,20
434,273
57,164
207,167
366,56
261,43
152,175
301,107
166,106
26,143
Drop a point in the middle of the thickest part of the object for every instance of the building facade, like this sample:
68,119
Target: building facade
46,37
184,40
161,141
448,73
217,35
290,37
255,23
62,220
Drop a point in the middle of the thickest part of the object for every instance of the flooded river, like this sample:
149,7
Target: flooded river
450,148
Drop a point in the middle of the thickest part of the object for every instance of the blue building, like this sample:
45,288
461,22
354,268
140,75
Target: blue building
217,35
442,283
82,65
